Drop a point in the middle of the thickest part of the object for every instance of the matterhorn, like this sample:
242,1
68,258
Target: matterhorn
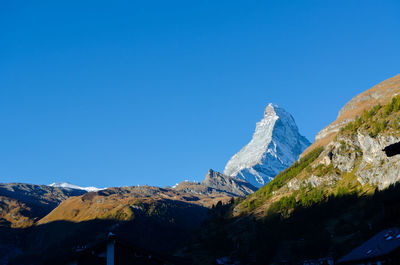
275,145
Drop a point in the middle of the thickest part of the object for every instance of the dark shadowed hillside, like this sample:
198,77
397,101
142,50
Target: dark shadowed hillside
154,218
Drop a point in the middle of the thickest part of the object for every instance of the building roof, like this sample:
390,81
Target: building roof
379,245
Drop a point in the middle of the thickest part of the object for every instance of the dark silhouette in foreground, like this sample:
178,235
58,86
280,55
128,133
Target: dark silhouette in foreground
329,229
53,242
392,150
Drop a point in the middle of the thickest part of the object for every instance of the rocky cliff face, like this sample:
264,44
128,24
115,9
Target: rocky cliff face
275,145
364,155
228,184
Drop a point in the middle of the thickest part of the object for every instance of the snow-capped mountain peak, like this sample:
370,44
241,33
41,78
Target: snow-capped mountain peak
275,145
66,185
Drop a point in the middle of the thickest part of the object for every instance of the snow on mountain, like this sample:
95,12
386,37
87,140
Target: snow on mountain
275,145
66,185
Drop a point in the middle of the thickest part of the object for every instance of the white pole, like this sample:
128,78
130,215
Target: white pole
110,252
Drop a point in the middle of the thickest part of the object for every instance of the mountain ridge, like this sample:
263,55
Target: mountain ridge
30,202
381,93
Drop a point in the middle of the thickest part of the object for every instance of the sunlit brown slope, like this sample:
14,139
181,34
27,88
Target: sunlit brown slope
158,219
23,204
382,93
122,203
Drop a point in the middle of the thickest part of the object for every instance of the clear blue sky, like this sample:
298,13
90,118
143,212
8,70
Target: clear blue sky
113,93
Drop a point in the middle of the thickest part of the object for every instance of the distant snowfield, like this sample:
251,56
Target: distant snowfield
66,185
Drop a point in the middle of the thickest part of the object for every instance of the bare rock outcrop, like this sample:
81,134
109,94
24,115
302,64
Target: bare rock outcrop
217,183
366,157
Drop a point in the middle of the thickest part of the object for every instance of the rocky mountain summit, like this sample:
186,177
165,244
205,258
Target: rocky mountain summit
218,183
275,145
225,183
